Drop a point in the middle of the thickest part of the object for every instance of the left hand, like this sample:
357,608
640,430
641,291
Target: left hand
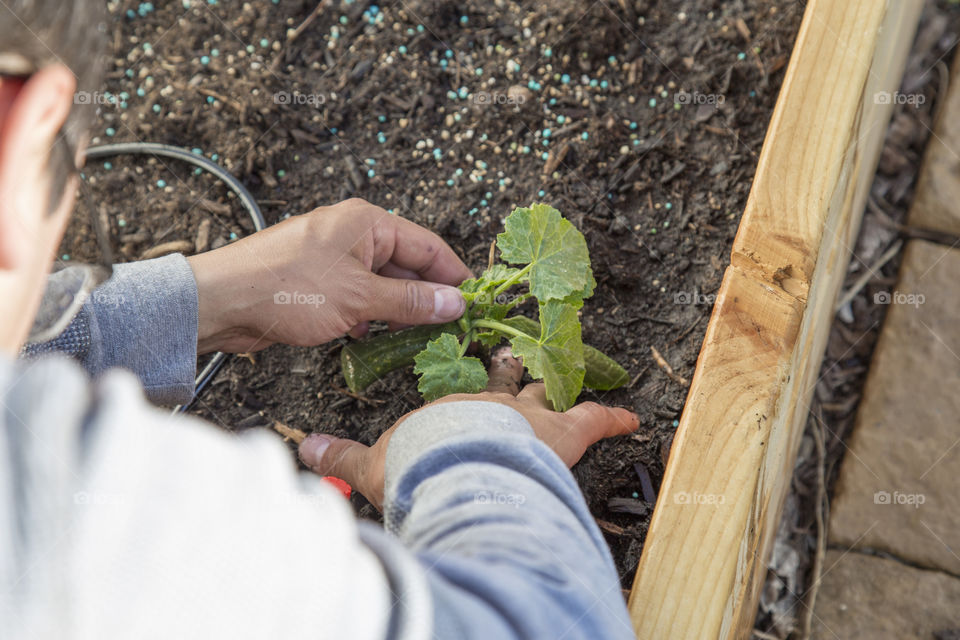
316,277
568,433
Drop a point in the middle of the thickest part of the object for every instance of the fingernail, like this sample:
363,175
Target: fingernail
313,448
448,303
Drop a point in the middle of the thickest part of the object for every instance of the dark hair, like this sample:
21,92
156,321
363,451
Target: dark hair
37,33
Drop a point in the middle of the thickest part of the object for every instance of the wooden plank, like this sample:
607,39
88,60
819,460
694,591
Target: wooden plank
704,559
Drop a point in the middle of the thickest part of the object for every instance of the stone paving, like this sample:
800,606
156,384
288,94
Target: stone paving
875,598
893,565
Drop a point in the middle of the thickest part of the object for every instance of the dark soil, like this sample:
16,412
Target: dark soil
657,185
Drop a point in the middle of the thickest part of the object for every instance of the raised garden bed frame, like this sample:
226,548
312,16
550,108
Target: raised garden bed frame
705,556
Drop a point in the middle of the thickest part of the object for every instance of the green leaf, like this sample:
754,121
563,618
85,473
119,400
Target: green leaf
557,355
555,250
577,297
475,288
489,339
444,371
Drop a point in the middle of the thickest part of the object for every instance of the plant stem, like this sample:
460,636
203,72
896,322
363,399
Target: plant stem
467,338
499,326
520,275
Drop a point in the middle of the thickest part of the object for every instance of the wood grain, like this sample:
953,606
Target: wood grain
704,559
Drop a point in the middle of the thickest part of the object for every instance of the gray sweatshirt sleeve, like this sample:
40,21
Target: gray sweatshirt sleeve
143,319
500,527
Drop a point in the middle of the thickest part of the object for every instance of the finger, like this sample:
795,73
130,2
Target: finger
505,372
338,457
359,330
535,393
412,301
409,246
391,270
596,421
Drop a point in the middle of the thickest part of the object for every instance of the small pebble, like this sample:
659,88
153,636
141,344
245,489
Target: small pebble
161,183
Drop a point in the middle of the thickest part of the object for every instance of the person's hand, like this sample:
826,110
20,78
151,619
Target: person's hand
568,433
316,277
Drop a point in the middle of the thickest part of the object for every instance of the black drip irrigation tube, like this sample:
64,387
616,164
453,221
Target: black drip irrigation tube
178,153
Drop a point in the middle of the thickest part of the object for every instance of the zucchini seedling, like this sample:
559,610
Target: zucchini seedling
547,259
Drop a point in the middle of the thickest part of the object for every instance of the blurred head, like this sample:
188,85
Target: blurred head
50,64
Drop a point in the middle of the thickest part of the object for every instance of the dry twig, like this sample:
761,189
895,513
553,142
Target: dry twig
821,508
288,433
667,369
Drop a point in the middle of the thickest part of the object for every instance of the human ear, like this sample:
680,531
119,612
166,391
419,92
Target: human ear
33,117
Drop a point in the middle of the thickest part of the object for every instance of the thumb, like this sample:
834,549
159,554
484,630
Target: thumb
413,301
329,456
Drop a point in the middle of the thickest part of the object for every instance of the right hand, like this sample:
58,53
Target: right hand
568,433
